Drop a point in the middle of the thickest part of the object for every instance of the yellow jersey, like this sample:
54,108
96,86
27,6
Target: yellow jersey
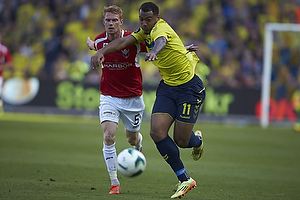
176,65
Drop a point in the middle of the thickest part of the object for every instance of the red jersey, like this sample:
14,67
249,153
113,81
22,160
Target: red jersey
121,73
5,56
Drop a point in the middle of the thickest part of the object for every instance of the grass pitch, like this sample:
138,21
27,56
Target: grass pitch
60,157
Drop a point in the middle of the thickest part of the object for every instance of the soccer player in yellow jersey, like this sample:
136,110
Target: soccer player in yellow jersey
178,96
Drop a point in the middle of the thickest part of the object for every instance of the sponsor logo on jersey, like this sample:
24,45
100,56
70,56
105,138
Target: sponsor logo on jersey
125,53
149,44
117,66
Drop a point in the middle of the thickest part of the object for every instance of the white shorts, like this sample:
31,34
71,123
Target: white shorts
129,110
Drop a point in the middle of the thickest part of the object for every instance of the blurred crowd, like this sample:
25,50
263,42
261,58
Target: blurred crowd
48,38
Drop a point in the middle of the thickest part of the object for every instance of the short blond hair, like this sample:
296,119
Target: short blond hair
113,9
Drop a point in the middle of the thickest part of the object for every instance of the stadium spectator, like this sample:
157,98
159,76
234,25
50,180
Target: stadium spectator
121,90
5,63
179,95
51,47
239,23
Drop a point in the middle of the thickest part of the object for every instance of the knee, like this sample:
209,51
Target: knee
132,141
157,136
153,135
109,139
181,143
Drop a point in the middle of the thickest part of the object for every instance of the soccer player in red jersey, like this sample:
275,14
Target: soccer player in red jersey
121,90
5,62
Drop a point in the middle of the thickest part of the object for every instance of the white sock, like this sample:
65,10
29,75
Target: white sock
139,145
113,178
110,157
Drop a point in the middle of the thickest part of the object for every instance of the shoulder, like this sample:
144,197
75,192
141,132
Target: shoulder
4,48
127,32
162,28
139,33
161,22
101,36
162,25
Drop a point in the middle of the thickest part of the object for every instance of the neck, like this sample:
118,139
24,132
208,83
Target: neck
114,36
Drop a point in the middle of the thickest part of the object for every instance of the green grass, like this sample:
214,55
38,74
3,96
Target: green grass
60,157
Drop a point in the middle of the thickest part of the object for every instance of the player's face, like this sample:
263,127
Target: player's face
112,23
147,20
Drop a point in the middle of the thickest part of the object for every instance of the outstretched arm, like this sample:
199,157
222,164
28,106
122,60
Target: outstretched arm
160,44
113,46
6,65
192,47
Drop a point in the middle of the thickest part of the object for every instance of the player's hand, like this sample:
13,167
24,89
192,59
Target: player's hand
150,56
97,59
90,44
192,47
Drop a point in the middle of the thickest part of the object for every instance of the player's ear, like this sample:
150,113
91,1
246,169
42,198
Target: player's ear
157,17
121,21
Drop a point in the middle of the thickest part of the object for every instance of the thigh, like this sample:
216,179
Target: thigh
164,102
108,110
132,120
131,113
189,98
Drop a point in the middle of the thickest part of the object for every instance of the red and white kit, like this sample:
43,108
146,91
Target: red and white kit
5,56
121,77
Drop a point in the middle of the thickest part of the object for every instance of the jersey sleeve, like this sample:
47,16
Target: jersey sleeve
97,40
138,35
95,45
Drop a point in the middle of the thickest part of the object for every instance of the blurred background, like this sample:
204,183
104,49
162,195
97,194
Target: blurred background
52,72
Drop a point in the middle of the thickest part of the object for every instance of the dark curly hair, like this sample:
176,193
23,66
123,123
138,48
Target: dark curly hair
150,6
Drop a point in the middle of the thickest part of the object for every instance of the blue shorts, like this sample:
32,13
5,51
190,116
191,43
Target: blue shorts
180,102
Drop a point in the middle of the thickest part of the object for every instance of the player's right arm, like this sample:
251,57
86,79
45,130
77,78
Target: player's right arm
159,45
113,46
90,43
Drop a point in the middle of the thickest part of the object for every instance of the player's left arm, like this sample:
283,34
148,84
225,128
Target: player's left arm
191,47
113,46
7,65
159,45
